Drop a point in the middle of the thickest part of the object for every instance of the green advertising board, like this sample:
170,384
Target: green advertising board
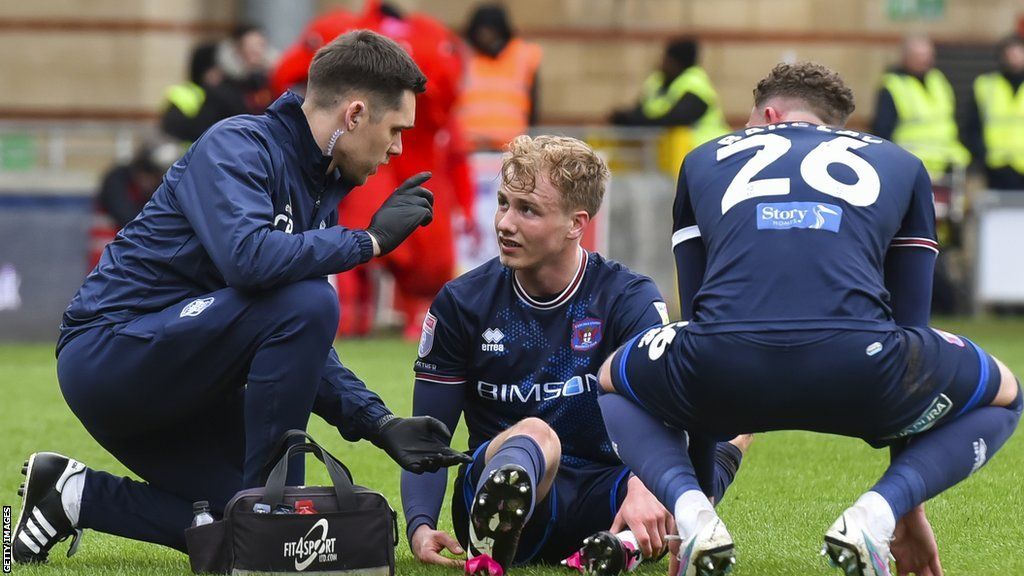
903,10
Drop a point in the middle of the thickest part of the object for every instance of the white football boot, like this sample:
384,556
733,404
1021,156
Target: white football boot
850,547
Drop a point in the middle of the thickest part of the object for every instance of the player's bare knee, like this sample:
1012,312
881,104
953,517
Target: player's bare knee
1009,387
542,434
604,376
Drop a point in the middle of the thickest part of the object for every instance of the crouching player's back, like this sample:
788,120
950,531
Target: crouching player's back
796,221
804,255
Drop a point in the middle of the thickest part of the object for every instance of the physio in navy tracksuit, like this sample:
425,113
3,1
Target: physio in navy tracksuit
206,330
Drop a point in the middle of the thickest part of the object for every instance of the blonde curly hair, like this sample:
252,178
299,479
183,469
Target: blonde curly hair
572,167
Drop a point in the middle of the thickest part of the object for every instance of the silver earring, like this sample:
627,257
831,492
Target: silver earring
334,140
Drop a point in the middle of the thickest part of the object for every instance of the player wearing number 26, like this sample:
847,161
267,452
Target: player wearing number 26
804,256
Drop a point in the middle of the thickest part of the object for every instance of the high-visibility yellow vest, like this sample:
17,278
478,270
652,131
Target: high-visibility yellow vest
1002,116
658,101
187,97
926,125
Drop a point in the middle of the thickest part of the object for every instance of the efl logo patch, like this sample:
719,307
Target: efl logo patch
809,215
586,334
662,309
427,335
951,338
196,307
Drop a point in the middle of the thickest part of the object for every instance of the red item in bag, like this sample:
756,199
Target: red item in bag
304,507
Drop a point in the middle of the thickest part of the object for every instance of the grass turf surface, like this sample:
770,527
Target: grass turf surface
791,487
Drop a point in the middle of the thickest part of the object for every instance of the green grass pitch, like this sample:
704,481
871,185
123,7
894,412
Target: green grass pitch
792,485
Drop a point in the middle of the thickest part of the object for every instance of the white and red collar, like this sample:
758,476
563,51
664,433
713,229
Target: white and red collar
562,297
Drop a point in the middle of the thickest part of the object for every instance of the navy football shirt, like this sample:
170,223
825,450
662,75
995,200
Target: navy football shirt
795,221
516,357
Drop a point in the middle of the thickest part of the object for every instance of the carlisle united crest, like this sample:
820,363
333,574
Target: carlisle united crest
586,334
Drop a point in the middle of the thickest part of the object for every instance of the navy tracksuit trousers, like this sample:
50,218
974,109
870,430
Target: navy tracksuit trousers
193,398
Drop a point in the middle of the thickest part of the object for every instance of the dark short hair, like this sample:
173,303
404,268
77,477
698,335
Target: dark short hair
684,51
240,30
363,60
820,88
202,60
489,16
1006,42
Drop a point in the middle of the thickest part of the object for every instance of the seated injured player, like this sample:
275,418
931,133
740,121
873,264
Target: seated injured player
515,346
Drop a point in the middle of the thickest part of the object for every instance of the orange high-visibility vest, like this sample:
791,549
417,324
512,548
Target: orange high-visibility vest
494,107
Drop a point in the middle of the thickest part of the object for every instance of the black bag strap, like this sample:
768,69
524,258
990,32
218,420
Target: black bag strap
279,449
341,478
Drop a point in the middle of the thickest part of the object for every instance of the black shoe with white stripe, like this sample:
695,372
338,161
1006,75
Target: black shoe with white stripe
43,521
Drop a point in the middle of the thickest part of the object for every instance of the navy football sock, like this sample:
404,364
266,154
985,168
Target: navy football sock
940,458
523,451
655,453
727,465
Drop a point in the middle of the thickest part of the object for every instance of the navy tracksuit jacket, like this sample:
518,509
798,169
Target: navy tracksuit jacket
206,329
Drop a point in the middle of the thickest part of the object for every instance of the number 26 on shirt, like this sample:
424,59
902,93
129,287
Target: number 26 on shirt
813,169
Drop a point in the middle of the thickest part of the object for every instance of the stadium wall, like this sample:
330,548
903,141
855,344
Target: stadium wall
112,59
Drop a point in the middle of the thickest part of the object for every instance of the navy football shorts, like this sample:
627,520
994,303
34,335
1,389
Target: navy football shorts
877,385
582,500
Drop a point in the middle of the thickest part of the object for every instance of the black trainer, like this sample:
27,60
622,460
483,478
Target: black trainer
603,554
499,513
43,522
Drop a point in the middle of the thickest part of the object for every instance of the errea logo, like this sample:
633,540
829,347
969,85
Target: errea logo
492,340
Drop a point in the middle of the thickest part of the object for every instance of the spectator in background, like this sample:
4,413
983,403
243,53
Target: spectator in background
996,126
202,101
916,109
500,97
125,189
423,264
246,61
679,93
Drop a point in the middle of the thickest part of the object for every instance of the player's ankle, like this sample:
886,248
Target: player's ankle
71,498
878,515
692,511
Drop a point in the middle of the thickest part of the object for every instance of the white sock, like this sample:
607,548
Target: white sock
692,511
879,517
71,497
627,536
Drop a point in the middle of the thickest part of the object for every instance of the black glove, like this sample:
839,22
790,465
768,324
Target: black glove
418,444
409,206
